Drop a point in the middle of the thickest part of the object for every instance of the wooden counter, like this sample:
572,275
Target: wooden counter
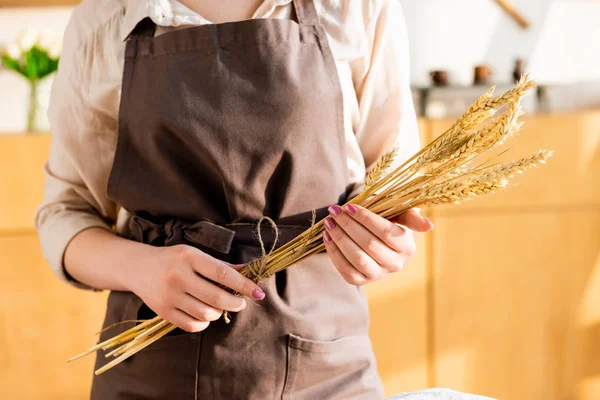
502,299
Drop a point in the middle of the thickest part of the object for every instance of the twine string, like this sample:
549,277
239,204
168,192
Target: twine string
258,269
313,221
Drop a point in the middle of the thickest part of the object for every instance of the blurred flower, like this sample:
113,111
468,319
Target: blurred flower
55,49
14,51
34,57
45,40
28,39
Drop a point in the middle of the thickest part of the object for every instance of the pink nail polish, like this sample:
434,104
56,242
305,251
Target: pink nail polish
326,237
351,209
329,224
258,294
335,210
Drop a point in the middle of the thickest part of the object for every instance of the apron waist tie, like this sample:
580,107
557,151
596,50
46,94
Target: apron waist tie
161,231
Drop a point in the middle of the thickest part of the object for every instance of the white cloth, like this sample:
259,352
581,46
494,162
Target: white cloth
437,394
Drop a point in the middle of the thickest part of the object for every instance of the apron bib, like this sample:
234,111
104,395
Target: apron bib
218,126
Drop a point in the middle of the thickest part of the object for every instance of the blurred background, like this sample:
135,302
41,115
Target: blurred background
502,299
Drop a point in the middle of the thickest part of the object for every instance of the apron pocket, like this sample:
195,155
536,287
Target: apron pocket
340,369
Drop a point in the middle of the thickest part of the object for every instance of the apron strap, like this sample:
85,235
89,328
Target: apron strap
306,12
144,29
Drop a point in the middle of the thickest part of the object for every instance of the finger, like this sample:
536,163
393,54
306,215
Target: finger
387,231
352,252
414,221
348,272
226,275
198,309
209,293
237,267
383,255
184,321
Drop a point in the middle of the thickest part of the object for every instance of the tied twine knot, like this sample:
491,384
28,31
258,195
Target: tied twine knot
258,269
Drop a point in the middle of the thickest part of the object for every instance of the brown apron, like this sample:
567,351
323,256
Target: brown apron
218,126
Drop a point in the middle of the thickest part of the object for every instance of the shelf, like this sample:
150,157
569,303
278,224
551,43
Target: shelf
37,3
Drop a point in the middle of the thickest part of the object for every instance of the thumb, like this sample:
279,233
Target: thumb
414,221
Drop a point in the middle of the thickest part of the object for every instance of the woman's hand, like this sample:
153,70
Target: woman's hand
365,247
173,282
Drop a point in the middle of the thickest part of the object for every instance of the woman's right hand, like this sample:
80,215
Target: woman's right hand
173,282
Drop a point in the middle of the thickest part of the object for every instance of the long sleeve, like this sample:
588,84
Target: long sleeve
82,148
382,83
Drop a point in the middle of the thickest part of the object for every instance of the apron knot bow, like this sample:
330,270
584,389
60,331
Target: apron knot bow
177,231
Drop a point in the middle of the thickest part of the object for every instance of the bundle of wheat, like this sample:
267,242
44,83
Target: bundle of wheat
442,172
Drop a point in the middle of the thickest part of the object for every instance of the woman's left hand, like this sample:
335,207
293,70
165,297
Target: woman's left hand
365,247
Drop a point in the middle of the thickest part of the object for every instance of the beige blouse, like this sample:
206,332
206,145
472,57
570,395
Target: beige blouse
368,41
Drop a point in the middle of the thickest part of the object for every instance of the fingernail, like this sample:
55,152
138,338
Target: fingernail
326,237
329,224
258,294
244,304
351,209
335,210
431,225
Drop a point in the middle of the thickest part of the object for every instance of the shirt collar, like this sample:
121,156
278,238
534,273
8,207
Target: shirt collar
173,13
135,11
268,6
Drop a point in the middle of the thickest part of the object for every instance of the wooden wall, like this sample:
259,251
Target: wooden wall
502,299
515,277
44,322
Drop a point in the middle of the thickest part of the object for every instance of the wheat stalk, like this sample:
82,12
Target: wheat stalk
483,108
472,184
382,165
441,173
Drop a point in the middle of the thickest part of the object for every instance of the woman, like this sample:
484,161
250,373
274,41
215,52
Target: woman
219,123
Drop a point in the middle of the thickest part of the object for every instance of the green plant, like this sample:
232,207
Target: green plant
34,59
